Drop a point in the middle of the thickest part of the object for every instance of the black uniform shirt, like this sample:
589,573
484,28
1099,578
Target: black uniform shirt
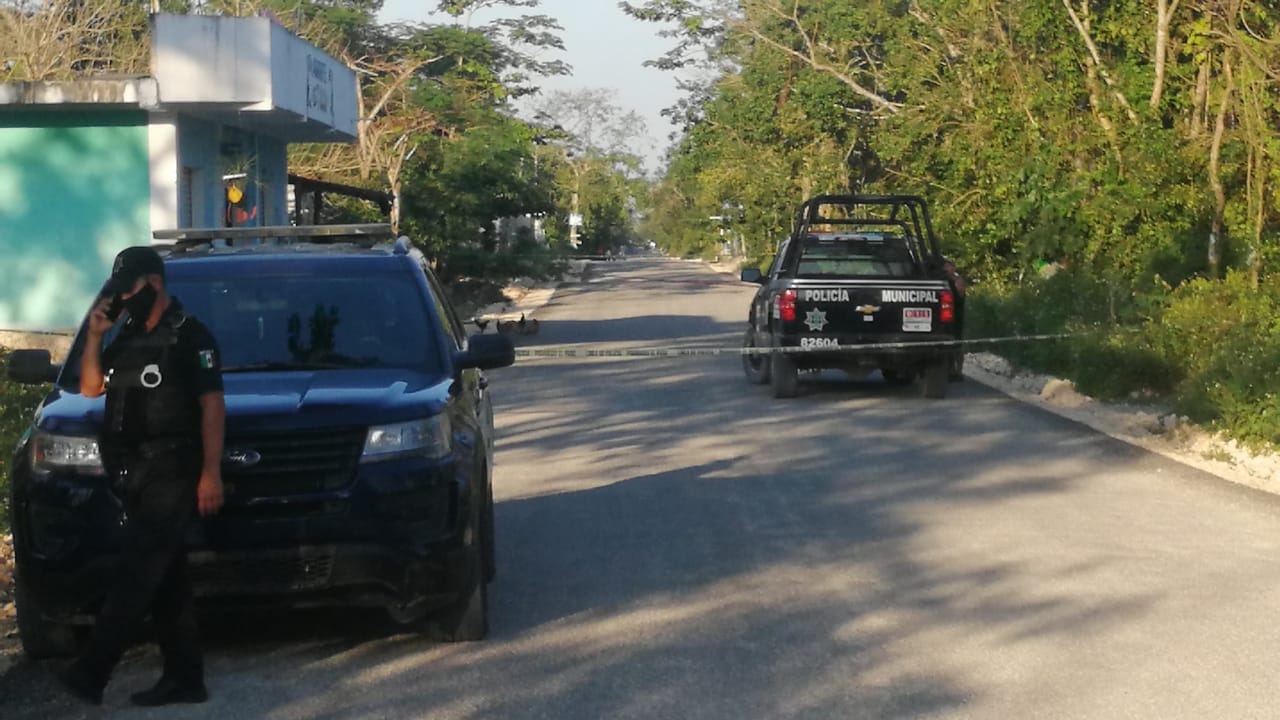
154,380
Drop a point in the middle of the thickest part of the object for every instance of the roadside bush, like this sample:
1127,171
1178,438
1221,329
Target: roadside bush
17,402
1212,348
1108,358
1225,336
524,259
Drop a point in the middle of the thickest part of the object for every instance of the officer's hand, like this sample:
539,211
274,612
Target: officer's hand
99,323
209,492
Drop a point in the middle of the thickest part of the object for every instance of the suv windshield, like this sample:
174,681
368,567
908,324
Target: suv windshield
302,322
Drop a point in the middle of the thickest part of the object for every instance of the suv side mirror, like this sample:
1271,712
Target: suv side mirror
486,352
752,275
33,367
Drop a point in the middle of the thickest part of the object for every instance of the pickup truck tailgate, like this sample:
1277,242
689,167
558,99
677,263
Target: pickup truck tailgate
841,308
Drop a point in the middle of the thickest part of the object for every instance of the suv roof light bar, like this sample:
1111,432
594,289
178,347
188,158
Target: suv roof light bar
309,233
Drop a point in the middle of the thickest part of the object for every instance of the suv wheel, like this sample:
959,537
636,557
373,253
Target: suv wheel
754,365
486,536
467,618
41,638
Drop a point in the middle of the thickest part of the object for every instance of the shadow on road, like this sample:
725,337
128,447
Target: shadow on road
701,550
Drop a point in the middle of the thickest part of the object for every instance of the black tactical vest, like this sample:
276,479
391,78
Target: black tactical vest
149,394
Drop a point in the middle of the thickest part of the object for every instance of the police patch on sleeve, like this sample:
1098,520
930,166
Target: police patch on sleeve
208,360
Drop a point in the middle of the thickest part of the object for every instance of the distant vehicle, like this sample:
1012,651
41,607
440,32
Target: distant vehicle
859,286
359,442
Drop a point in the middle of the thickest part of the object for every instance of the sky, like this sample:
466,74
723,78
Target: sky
605,49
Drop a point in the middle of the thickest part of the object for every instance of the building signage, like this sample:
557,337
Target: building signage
319,89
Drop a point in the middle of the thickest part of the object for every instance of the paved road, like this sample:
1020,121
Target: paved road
675,544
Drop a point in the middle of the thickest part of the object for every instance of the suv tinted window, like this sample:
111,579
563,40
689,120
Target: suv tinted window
344,320
448,319
267,321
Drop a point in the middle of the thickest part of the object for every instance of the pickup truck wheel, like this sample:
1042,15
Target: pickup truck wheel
754,365
934,379
897,378
957,367
784,379
41,638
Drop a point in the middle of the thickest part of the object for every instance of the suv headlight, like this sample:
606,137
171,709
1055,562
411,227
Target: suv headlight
50,453
420,438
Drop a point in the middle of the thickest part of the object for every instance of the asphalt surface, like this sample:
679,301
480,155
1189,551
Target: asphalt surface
675,544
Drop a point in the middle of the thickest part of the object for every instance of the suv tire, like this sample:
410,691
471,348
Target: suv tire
466,619
486,534
41,638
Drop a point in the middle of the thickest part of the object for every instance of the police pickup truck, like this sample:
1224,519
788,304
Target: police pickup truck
859,286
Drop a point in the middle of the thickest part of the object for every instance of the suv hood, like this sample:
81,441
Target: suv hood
296,399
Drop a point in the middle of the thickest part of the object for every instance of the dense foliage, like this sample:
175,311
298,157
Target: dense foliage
1130,144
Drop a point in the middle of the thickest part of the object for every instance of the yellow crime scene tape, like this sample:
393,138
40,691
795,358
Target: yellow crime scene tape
552,351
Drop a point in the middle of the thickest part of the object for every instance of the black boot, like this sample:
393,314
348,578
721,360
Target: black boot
168,692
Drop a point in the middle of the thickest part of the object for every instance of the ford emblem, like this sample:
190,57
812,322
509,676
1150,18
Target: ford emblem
242,458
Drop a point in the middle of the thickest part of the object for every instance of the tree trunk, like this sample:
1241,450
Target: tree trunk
1215,169
395,206
1199,120
1164,17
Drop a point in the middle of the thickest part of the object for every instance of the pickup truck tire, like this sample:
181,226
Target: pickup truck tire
41,638
897,378
756,365
957,366
784,378
934,380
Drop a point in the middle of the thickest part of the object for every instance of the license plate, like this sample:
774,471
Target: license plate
917,319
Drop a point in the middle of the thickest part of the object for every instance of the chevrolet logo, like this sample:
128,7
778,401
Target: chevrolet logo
868,309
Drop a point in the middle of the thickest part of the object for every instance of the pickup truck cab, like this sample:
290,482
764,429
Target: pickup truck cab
858,286
359,441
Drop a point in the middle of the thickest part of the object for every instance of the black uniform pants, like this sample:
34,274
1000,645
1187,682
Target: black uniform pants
160,502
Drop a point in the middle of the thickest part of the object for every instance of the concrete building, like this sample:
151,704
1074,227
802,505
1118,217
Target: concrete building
92,166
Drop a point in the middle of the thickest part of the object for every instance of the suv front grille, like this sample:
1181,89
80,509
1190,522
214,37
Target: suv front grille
293,463
262,572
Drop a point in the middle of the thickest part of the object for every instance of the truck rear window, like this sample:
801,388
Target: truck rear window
856,255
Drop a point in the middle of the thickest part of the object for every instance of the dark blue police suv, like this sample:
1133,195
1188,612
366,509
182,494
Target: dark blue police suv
359,444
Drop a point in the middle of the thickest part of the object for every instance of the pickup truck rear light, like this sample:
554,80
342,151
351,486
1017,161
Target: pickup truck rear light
948,313
787,305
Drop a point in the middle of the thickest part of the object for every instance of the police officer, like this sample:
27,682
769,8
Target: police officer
162,443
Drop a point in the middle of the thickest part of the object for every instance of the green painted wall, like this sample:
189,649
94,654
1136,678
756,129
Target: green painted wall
74,190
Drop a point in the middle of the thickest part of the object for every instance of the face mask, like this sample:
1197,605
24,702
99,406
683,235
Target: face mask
140,303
